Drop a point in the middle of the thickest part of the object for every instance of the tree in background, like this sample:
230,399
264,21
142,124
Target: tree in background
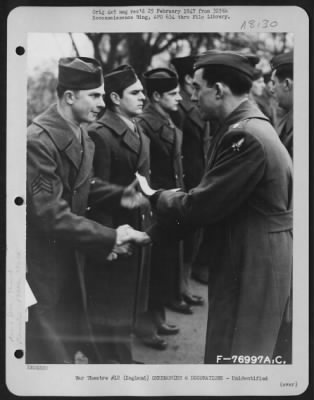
154,49
41,92
139,49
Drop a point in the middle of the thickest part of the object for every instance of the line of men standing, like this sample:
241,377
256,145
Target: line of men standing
126,288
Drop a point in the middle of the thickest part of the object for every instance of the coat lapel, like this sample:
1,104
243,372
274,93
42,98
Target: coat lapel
119,128
178,141
159,124
144,152
153,119
61,134
190,110
74,153
285,124
132,141
86,164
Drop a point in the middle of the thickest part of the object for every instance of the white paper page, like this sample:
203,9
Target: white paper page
44,34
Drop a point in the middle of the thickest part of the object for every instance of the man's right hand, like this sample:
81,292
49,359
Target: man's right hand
126,236
120,250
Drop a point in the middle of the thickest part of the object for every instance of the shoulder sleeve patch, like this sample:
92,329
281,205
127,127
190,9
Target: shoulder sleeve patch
236,146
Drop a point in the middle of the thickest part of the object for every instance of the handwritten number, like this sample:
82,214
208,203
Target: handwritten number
253,24
243,26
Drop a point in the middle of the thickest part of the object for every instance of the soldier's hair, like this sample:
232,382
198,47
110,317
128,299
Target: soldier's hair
150,92
284,71
108,101
181,77
62,89
238,82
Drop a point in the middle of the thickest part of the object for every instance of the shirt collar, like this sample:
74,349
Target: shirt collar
129,123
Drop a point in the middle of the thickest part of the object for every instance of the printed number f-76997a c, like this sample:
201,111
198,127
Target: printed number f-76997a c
243,359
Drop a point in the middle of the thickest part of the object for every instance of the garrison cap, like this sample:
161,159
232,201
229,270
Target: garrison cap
119,79
243,63
282,59
80,73
184,65
160,79
258,73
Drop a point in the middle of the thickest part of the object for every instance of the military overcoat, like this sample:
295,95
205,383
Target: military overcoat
166,173
284,127
60,188
195,146
195,140
118,290
245,202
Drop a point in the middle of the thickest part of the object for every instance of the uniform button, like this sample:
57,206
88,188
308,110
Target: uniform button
92,181
182,157
74,192
143,217
88,208
151,213
176,176
183,176
150,172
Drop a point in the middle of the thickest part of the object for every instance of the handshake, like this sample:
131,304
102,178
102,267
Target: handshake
125,239
137,194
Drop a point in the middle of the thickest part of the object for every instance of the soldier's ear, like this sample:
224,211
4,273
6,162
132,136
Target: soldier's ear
156,96
115,98
188,79
220,89
288,84
69,96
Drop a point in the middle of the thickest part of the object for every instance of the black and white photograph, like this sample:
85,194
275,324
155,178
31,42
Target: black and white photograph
164,201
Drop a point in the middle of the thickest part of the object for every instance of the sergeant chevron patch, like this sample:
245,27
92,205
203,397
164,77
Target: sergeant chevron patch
41,184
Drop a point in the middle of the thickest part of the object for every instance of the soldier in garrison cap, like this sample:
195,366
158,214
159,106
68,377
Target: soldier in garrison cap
265,101
162,89
282,80
60,188
262,96
244,202
118,295
195,145
258,85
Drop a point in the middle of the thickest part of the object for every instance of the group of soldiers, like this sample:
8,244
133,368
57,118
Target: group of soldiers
105,261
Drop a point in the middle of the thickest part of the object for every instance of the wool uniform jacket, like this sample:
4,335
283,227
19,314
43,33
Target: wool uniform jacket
60,188
119,290
244,202
284,127
195,146
195,141
167,173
